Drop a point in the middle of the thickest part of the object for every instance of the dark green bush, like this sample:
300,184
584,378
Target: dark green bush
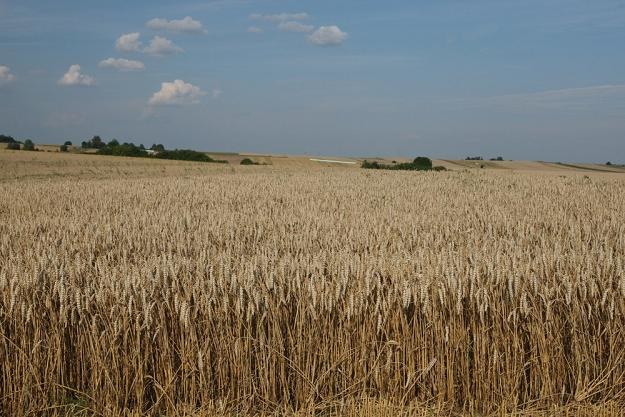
63,148
248,161
372,165
420,163
125,149
28,145
14,146
186,155
7,139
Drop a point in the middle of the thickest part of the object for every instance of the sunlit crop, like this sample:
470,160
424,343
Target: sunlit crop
257,289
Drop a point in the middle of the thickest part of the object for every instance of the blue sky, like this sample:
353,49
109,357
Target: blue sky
541,80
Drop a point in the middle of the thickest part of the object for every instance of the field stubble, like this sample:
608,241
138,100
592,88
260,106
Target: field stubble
277,290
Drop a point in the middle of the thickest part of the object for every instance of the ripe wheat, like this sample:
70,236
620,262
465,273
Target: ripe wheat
266,289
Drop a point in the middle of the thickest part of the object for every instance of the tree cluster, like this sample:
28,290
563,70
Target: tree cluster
420,163
7,139
125,149
95,143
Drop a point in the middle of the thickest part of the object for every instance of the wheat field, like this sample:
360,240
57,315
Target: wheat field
183,289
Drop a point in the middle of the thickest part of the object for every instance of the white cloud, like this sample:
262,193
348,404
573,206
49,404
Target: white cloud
277,18
160,46
186,25
328,36
176,92
73,76
292,26
5,75
216,93
255,29
129,42
122,64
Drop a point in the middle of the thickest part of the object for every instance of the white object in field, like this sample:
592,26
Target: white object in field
332,161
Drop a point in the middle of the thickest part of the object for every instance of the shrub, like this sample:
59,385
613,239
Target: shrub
371,165
422,163
14,146
29,145
439,168
248,161
63,148
186,155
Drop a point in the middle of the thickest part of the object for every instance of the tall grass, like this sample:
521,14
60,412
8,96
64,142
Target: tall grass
261,292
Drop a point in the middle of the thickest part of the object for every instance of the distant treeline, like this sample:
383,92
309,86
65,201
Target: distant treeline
479,158
13,144
420,163
7,139
114,148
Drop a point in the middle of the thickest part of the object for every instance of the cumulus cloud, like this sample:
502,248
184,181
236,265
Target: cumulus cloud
293,26
73,76
328,36
277,18
5,75
176,93
160,46
129,42
186,25
255,29
122,64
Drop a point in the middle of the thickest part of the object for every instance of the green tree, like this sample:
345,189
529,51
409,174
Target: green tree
96,142
422,163
68,143
113,142
29,145
6,139
63,148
